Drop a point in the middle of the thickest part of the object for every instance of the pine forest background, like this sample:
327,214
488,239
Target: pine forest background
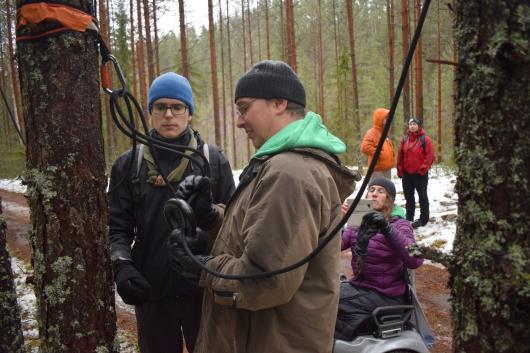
348,54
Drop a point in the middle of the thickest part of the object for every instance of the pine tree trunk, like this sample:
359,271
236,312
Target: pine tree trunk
244,35
223,88
231,85
291,42
66,183
439,81
213,65
337,68
283,32
157,49
11,337
267,33
390,26
418,57
250,49
184,63
14,77
141,58
148,43
405,33
355,93
320,64
489,276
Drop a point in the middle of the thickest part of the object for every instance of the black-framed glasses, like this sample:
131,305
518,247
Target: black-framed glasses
242,109
176,109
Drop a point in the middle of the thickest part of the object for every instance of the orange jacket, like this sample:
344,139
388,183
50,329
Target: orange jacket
371,139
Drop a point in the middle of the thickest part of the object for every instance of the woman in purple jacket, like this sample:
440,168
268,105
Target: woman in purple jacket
379,258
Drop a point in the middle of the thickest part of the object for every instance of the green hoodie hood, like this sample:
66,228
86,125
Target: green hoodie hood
303,133
398,211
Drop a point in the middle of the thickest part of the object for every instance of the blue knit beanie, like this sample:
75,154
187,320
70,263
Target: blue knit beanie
171,85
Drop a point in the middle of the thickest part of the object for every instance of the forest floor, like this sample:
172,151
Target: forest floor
431,281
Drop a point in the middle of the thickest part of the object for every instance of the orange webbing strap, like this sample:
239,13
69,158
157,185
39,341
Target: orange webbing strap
70,18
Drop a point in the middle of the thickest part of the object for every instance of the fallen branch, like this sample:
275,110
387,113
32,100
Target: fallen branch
446,62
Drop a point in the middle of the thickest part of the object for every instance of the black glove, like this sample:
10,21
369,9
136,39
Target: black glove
131,285
377,221
179,260
197,191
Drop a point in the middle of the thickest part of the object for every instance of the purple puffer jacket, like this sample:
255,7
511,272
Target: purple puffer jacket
384,260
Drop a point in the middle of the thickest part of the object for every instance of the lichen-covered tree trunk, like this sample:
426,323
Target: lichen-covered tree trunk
11,337
489,276
66,183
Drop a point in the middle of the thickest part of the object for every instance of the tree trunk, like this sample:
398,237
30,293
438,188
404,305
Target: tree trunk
183,42
337,68
141,57
355,93
390,26
405,33
11,338
157,49
320,64
489,276
283,31
148,43
267,36
231,85
418,76
244,35
439,81
223,89
66,183
14,77
251,51
213,65
291,42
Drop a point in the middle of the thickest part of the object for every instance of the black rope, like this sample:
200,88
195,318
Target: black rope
327,238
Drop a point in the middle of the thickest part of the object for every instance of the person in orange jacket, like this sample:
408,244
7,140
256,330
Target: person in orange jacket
385,162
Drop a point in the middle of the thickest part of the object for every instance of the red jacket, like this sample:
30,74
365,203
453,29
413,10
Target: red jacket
412,158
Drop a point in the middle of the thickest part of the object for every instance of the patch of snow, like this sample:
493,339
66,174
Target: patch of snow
13,185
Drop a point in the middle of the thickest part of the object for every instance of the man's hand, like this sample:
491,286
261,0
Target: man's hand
180,261
197,191
130,284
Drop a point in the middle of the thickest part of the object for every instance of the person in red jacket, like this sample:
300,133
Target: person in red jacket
415,158
385,162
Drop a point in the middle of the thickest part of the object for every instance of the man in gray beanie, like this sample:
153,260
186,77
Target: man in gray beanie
167,305
288,198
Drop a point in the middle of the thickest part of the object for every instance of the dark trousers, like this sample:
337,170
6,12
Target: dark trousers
163,324
412,183
356,305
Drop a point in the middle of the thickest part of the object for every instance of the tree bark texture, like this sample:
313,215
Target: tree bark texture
391,35
184,63
405,33
11,337
223,87
355,91
213,65
418,66
141,57
231,85
157,49
489,277
66,192
148,44
291,41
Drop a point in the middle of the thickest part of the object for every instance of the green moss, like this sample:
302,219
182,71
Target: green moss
58,290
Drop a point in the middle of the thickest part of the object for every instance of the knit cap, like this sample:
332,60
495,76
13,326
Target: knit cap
387,184
271,79
416,120
171,85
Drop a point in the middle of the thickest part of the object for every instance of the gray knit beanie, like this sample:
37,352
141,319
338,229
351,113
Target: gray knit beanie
271,79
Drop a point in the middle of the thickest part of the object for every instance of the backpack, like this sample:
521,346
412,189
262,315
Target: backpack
422,141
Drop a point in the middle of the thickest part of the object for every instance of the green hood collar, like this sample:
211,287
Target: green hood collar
308,132
398,211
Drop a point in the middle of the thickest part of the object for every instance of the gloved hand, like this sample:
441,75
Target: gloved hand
131,285
377,221
197,191
179,260
364,235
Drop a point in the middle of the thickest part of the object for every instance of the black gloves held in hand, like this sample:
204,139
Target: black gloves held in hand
377,220
179,260
131,285
197,191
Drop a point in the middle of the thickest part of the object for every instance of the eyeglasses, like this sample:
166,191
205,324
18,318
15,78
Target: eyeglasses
160,109
242,109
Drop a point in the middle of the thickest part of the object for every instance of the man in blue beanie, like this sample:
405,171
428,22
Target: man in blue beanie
167,304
